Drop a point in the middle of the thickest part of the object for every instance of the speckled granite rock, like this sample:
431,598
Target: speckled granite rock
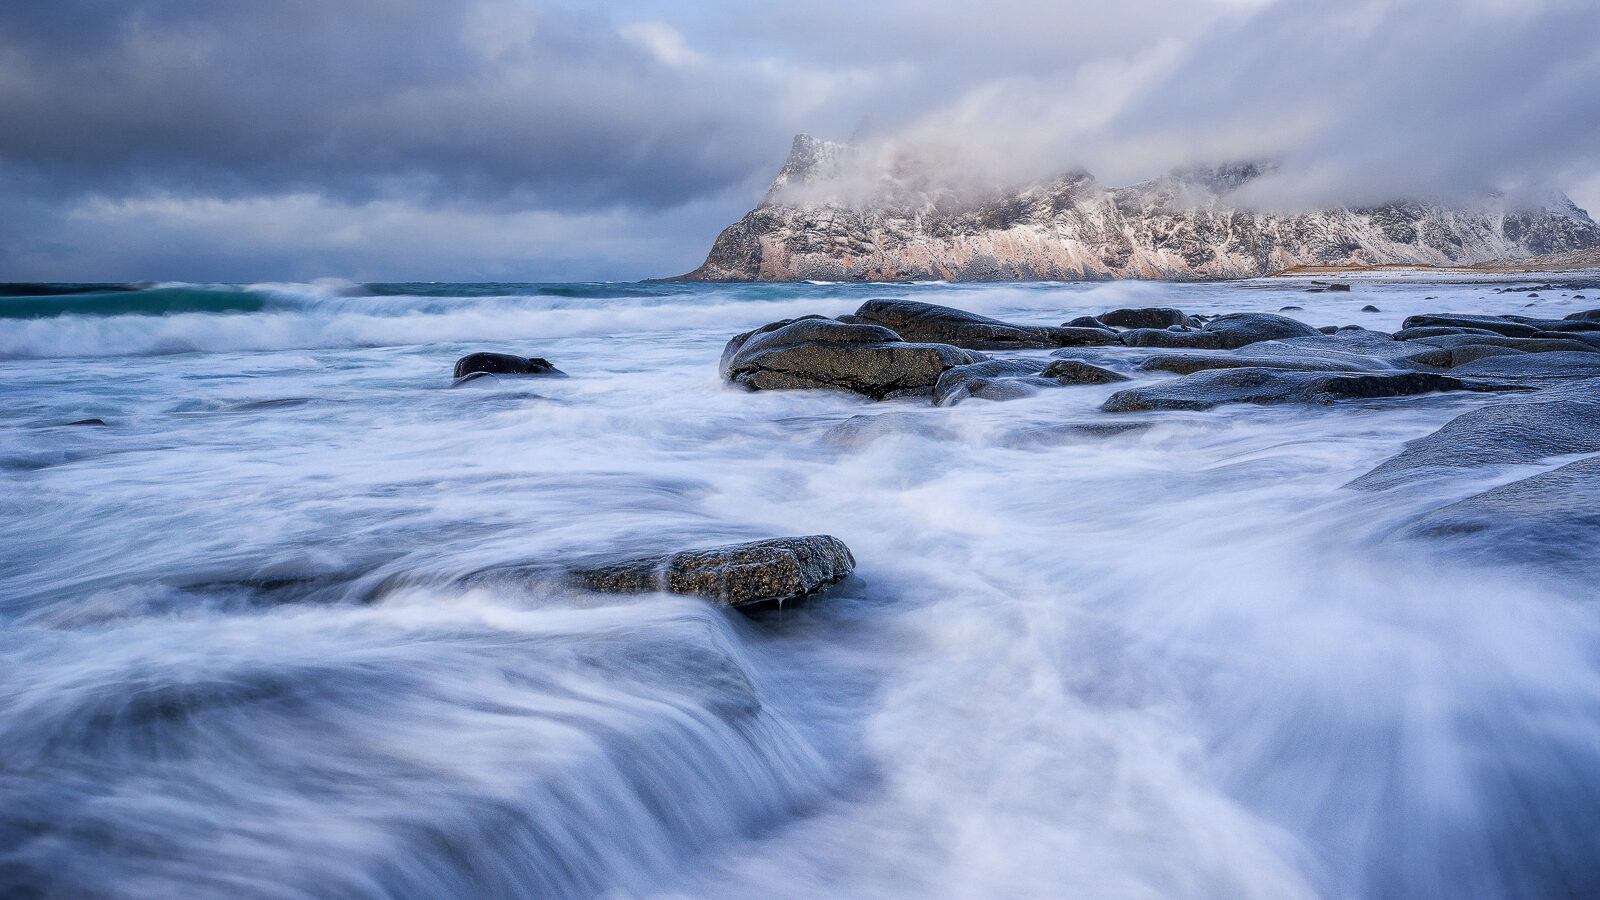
734,575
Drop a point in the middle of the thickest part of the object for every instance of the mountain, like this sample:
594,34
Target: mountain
817,222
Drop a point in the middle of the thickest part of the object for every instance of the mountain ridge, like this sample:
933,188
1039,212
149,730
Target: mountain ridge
817,222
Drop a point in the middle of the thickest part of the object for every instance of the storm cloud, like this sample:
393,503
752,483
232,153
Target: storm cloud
518,139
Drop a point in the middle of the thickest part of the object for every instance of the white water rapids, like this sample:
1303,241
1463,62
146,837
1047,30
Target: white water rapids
1177,661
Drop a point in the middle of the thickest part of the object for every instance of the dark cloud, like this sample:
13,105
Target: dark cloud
569,138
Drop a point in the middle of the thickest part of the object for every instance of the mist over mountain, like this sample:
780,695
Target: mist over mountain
835,213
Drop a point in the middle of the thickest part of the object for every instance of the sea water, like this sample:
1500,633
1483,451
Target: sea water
239,655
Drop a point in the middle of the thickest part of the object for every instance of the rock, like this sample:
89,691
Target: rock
1148,317
1368,350
1087,322
1290,308
1588,315
1560,364
1424,331
994,379
1520,432
859,431
1189,363
1075,371
1550,522
824,353
1240,329
504,364
928,323
1370,308
1160,337
1204,390
735,575
1336,286
1495,324
96,422
1527,344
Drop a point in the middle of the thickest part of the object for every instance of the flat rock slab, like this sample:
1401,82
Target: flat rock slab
1205,390
932,324
1558,364
734,575
1190,363
1503,433
1550,521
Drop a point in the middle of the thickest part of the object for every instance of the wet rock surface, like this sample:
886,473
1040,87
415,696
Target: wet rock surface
503,364
732,575
826,353
1549,521
1515,432
929,323
1205,390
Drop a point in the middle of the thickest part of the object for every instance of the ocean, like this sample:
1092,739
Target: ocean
240,655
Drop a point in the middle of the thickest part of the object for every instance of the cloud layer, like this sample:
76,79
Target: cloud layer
518,139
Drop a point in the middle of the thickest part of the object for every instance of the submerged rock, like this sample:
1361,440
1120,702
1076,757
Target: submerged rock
503,364
994,379
1076,371
1189,363
825,353
1550,521
1204,390
929,323
1503,433
1229,332
733,575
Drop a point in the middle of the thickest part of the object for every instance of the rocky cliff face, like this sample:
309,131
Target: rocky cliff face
1180,226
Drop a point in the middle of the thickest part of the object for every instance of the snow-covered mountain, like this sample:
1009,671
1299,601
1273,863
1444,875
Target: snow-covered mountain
899,227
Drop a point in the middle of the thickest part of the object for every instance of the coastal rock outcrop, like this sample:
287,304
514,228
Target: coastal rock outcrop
818,222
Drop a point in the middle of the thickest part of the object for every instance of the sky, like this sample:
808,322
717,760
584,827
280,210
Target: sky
553,140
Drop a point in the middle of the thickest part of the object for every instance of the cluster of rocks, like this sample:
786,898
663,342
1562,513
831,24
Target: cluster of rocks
890,349
1172,360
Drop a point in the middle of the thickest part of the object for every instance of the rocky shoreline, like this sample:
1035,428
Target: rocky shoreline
1545,371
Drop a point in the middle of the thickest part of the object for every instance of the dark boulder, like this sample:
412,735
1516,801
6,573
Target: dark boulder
734,575
504,364
1148,317
928,323
1521,432
1588,315
1370,308
825,353
1087,322
1205,390
91,422
1240,329
1179,340
1336,286
1427,331
1076,371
